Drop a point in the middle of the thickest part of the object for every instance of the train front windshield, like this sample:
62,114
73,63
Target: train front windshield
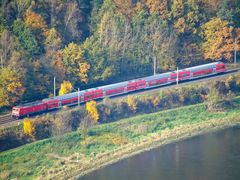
15,111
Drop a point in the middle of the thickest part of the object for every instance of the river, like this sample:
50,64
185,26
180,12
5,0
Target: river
212,156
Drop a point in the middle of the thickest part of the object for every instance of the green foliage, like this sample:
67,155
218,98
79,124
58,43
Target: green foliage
38,80
3,24
230,11
20,6
75,64
26,37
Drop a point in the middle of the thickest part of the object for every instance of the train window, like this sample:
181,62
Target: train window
184,75
15,110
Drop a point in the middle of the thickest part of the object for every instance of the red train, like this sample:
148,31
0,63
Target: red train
116,89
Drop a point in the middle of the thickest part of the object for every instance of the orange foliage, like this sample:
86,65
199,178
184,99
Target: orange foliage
219,40
158,7
35,21
125,7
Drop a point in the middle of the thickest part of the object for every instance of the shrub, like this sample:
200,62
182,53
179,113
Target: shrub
91,108
28,127
132,103
212,99
43,127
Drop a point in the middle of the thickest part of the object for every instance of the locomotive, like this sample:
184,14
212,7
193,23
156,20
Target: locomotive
117,89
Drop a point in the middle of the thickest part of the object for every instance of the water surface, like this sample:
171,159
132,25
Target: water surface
213,156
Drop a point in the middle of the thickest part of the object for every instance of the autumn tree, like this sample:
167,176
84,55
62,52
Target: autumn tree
158,7
212,6
53,41
11,87
35,21
125,7
218,40
21,6
91,108
177,9
132,103
156,100
65,88
28,127
75,63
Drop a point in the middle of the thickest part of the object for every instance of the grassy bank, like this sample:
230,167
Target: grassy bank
65,156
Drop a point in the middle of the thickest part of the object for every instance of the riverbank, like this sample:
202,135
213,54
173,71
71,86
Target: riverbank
65,156
150,144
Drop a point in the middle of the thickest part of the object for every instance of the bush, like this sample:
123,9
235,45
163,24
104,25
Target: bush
28,127
91,108
213,98
132,103
43,128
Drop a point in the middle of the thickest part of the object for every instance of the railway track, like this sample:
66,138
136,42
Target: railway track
6,119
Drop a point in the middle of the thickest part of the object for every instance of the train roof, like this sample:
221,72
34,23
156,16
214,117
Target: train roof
28,104
203,66
120,84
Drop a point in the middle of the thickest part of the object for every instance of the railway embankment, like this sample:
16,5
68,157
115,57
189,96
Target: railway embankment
75,155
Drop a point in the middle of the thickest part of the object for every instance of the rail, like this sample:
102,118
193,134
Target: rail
5,119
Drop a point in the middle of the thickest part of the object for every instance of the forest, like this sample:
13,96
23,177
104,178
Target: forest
87,43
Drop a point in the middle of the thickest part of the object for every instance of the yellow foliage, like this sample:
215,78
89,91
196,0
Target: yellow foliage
156,101
11,87
219,40
91,108
103,23
73,59
65,88
28,127
53,40
84,67
132,104
180,25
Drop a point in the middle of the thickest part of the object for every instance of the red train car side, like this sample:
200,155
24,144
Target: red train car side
136,85
28,109
118,88
93,94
